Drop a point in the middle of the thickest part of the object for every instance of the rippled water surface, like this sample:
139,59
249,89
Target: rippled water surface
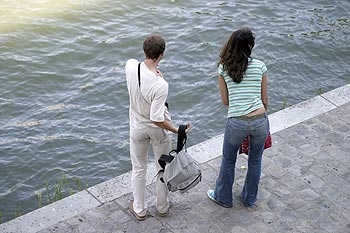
63,97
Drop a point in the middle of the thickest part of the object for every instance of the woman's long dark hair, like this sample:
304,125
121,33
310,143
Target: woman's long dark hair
236,53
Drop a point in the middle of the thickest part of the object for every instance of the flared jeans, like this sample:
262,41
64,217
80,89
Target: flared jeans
235,132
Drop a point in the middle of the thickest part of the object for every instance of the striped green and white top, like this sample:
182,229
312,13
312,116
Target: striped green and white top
245,97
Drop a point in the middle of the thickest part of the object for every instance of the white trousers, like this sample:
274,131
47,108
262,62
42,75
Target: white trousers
140,140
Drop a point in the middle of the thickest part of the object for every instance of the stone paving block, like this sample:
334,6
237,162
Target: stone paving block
215,163
109,208
345,189
176,221
313,214
344,112
283,162
342,229
329,224
75,221
314,181
308,194
293,182
305,226
305,130
295,203
153,225
275,204
320,170
61,227
209,175
86,228
287,150
333,178
238,229
311,150
330,121
257,228
281,225
274,170
268,217
120,217
263,194
132,227
192,229
246,217
93,217
294,170
268,183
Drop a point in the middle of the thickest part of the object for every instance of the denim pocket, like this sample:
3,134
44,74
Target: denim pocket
236,124
261,125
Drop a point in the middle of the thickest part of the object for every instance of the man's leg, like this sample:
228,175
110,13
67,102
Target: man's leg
161,144
139,143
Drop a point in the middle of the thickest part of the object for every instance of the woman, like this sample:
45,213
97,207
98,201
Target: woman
243,88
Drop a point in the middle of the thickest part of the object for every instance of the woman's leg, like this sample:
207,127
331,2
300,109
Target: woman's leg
235,132
259,132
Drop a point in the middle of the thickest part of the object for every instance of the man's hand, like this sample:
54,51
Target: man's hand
188,128
159,73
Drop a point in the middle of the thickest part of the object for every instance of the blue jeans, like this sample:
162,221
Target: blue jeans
236,131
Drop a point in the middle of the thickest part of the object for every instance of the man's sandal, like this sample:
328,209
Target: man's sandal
137,216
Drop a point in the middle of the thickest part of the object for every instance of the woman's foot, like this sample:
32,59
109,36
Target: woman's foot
211,195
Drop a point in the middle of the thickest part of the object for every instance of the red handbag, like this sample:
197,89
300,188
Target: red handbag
244,148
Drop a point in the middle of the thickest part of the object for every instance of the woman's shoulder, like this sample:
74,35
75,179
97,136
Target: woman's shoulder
256,64
221,70
257,61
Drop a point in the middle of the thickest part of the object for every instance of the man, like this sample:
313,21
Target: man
149,123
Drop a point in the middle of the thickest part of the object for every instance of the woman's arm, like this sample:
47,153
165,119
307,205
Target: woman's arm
223,90
264,97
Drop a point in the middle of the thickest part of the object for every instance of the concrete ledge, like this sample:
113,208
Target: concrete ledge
51,214
118,186
339,96
202,152
298,113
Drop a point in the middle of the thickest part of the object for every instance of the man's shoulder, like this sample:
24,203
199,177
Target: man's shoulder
131,62
157,85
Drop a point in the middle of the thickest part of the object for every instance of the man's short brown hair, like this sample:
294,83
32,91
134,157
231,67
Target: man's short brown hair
153,46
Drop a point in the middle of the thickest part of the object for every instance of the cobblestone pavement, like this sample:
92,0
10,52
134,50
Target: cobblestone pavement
305,187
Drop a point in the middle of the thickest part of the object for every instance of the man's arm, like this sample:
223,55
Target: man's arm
168,126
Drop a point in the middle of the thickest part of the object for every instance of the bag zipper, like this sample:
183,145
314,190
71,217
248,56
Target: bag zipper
200,176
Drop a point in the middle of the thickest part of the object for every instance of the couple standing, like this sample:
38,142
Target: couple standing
243,88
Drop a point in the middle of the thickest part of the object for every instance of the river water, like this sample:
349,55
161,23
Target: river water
63,96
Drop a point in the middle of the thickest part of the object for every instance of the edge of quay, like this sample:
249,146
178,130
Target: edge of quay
205,151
